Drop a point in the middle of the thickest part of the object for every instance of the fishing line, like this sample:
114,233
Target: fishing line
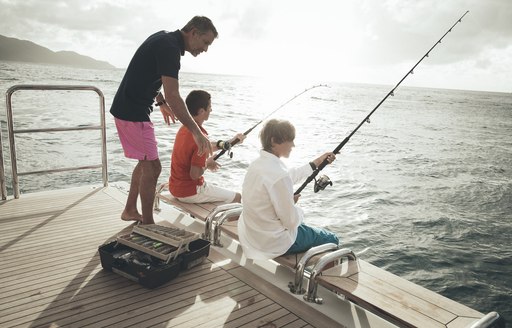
324,181
226,146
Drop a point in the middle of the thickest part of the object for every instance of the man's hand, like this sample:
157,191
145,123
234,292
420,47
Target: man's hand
168,114
203,144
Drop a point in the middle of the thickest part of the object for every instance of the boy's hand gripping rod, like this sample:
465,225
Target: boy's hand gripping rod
324,179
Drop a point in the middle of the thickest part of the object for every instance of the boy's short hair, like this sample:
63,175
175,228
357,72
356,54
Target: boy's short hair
196,100
278,131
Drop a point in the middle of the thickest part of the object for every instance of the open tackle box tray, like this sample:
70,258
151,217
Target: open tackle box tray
170,235
153,254
152,247
163,242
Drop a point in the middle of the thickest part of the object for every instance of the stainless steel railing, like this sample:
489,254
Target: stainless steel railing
12,132
3,188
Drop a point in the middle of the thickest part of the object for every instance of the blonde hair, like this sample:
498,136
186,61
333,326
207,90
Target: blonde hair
277,131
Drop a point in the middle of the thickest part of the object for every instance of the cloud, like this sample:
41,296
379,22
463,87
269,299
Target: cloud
68,15
361,40
408,28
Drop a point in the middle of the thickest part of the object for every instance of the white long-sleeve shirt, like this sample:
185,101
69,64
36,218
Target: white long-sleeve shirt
268,225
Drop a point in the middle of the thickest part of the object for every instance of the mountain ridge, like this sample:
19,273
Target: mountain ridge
12,49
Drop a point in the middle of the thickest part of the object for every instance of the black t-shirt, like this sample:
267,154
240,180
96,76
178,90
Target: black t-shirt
159,55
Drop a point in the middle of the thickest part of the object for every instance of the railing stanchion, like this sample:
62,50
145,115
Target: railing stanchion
12,132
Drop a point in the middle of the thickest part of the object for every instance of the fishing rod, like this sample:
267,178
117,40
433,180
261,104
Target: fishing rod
324,181
226,145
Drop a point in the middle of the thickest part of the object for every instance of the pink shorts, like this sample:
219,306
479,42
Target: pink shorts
138,139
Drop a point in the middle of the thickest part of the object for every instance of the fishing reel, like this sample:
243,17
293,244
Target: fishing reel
225,146
322,182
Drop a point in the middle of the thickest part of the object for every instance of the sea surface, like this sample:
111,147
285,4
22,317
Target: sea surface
424,190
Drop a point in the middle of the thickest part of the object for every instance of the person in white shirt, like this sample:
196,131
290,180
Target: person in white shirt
271,224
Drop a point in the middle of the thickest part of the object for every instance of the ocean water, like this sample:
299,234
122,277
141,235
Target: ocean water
425,188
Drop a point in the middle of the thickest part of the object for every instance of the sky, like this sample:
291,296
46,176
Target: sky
361,41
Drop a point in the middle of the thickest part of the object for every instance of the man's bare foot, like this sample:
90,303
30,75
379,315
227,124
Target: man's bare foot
131,216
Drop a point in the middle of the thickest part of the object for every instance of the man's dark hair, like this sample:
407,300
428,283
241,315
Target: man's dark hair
203,25
196,100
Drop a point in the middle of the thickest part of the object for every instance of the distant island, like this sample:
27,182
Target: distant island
12,49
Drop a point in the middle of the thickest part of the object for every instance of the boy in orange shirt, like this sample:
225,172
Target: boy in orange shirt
186,182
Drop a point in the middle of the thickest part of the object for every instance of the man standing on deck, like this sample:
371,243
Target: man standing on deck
156,63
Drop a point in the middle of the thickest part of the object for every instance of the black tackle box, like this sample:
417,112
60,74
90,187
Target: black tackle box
153,255
138,266
198,251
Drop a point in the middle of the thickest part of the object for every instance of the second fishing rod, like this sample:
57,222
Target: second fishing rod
225,146
324,181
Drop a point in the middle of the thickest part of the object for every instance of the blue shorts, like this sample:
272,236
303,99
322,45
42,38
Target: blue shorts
308,237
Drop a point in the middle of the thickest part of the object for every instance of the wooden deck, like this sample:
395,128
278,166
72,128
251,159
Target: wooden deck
51,274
